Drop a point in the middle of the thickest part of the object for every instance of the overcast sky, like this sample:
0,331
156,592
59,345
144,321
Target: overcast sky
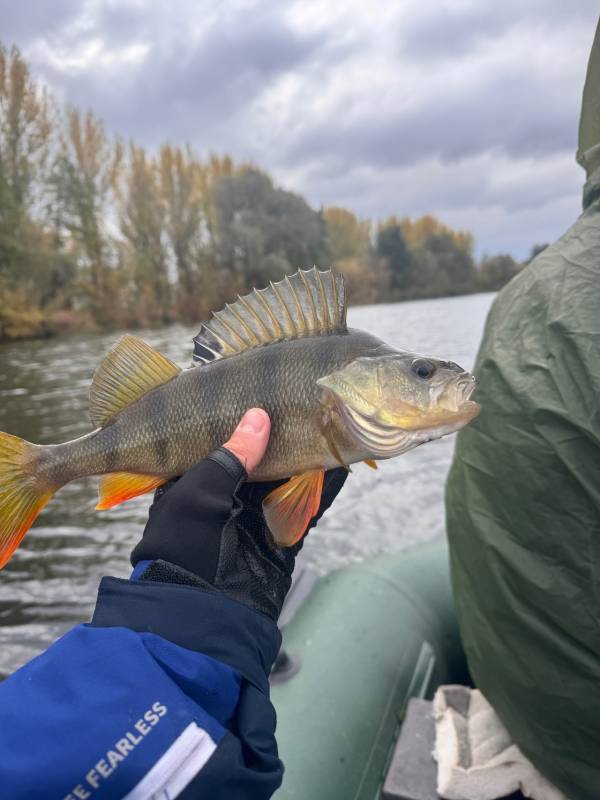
467,110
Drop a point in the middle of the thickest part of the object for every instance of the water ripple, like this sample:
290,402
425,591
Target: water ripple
51,582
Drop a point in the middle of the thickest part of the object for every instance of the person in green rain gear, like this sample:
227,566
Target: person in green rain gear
523,497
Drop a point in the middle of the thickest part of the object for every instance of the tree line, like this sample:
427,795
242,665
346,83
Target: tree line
98,232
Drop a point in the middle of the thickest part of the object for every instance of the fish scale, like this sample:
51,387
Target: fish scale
197,411
334,396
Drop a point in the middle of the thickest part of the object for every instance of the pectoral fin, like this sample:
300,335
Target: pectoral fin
116,487
371,463
289,508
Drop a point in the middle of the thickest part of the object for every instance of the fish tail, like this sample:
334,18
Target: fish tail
22,493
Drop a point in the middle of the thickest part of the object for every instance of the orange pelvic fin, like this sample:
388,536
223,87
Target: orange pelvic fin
21,498
116,487
371,463
289,508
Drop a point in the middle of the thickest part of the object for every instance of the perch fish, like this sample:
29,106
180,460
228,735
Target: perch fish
335,396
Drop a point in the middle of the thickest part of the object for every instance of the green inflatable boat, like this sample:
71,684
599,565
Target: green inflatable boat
358,645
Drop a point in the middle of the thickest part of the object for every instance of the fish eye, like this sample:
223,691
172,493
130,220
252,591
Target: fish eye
423,368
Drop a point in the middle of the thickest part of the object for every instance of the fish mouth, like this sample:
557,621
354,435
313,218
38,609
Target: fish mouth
468,409
456,398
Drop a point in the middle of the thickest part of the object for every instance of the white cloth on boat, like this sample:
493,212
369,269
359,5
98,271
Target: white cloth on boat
477,759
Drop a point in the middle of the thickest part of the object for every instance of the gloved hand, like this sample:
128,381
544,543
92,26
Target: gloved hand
207,527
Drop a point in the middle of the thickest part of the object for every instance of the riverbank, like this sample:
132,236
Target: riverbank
21,322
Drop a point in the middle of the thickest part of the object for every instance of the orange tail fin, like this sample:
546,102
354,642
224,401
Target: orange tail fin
21,498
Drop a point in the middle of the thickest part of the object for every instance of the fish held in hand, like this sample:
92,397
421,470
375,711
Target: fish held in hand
335,396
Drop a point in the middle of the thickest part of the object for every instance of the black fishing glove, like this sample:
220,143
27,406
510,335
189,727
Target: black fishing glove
207,528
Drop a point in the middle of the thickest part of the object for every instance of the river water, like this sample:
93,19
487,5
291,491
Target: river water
51,582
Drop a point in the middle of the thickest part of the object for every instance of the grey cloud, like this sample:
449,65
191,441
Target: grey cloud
22,22
450,32
186,87
516,114
122,21
432,187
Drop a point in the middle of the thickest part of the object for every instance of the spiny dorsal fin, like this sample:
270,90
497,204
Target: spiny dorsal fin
130,369
308,303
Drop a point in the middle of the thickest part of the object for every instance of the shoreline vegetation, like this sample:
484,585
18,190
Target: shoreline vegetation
99,234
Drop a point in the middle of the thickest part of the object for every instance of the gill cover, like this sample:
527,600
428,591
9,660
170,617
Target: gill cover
357,394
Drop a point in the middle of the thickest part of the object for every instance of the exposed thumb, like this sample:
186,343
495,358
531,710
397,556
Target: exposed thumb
250,439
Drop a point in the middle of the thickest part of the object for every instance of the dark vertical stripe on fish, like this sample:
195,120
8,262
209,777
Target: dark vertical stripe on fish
161,443
111,450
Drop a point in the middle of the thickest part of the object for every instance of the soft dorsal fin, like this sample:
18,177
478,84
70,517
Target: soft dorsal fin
130,369
308,303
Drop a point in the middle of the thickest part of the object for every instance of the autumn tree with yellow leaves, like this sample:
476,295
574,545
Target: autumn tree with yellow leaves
98,233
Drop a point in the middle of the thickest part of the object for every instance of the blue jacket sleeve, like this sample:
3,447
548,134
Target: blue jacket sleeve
165,694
